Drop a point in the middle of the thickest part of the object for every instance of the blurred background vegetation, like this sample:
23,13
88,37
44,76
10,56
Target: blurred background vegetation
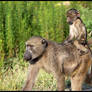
19,20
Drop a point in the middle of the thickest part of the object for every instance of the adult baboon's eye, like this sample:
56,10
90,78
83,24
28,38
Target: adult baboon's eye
29,46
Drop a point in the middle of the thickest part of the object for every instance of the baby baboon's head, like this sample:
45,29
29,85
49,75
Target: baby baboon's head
72,15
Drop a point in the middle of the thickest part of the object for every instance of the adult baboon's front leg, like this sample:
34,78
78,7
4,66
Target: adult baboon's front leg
60,82
32,74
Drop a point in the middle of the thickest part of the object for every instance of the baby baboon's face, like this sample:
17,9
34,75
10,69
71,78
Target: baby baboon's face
72,15
35,47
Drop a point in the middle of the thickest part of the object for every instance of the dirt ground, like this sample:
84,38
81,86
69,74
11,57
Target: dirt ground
85,88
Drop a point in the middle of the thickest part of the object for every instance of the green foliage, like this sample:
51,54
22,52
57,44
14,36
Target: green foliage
21,20
86,16
12,78
1,36
8,28
1,53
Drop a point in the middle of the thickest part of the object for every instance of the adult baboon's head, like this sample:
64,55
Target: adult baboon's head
35,48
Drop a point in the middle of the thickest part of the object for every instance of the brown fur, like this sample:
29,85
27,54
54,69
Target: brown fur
88,79
77,32
61,61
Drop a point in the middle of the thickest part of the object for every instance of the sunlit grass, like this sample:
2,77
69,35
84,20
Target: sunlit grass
45,82
12,79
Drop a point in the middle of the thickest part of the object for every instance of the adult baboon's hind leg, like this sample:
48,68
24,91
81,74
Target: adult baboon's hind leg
88,79
77,81
32,74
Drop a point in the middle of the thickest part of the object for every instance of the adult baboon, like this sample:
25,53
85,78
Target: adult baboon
60,60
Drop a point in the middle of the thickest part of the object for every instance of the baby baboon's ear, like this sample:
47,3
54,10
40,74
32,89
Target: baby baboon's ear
44,42
78,14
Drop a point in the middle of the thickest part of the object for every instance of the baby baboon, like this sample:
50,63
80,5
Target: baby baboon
60,60
77,33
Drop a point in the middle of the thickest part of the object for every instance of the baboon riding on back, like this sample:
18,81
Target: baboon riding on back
77,32
59,59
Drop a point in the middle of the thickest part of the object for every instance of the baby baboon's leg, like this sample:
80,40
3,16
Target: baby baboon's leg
79,46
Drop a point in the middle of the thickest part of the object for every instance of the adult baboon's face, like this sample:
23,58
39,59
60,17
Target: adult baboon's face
35,47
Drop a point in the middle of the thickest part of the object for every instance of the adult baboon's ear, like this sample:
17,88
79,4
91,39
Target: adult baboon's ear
44,42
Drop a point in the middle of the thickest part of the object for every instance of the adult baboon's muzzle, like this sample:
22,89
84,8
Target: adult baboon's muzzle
27,55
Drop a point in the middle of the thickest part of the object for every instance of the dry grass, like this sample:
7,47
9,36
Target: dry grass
12,79
13,76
